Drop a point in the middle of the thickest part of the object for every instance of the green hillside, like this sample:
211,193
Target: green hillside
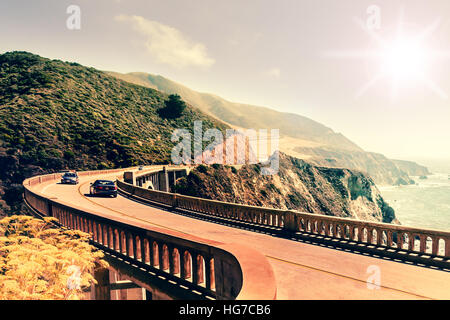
56,115
244,115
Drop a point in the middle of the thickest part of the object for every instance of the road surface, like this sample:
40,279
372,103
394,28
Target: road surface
302,271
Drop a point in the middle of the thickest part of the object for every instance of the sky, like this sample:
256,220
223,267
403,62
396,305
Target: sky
375,71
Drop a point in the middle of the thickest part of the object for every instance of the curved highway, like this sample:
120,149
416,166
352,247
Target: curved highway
302,271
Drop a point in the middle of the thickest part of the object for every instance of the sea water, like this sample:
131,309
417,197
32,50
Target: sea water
424,205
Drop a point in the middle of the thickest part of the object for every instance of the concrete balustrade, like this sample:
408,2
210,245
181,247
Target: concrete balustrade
401,239
214,269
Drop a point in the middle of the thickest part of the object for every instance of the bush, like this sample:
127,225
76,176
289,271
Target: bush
41,261
202,168
174,107
69,155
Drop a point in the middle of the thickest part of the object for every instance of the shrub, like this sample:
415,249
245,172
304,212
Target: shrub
174,107
69,155
41,261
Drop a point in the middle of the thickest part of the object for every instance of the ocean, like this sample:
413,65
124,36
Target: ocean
424,205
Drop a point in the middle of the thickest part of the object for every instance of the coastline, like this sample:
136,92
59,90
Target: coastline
425,204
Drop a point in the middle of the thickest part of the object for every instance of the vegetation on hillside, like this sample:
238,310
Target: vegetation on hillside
40,261
174,107
56,115
301,137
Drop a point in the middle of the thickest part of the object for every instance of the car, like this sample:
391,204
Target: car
70,178
103,187
141,168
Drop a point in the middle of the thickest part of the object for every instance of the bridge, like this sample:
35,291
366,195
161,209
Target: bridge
180,247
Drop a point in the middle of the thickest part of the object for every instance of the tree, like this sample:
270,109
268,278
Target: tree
41,261
174,107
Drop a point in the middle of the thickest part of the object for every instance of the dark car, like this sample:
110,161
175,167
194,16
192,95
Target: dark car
103,187
70,178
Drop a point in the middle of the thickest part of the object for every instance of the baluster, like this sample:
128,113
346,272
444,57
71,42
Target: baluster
133,243
144,244
195,268
95,231
164,258
389,238
186,268
108,236
115,239
122,243
155,254
100,233
435,247
353,233
423,243
447,247
138,248
130,242
411,242
199,270
360,233
399,240
171,260
176,261
209,273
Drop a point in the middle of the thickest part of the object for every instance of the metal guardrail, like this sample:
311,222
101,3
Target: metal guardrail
213,269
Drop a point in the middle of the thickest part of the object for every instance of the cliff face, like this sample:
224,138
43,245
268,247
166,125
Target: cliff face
299,185
412,168
384,171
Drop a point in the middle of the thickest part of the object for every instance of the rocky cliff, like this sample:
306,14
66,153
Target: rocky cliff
384,171
299,185
412,168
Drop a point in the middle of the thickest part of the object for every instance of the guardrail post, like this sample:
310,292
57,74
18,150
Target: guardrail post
175,202
290,223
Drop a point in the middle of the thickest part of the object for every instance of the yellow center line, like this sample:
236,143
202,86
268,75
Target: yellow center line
267,256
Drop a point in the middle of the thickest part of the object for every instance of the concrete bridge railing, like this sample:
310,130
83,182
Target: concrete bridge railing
401,240
214,269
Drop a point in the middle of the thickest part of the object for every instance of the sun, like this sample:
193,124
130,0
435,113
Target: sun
403,59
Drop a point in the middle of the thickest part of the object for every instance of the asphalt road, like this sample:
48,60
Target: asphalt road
302,271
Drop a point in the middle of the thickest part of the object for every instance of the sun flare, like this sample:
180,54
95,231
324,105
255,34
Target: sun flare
405,60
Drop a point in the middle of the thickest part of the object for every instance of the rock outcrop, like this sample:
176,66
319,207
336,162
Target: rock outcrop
299,185
383,171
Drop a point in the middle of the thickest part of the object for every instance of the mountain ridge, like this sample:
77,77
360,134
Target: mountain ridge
300,136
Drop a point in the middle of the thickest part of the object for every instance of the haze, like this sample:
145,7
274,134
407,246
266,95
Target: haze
279,54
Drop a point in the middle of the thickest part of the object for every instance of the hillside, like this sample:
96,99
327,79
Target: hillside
244,115
300,136
381,169
56,115
299,185
412,168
